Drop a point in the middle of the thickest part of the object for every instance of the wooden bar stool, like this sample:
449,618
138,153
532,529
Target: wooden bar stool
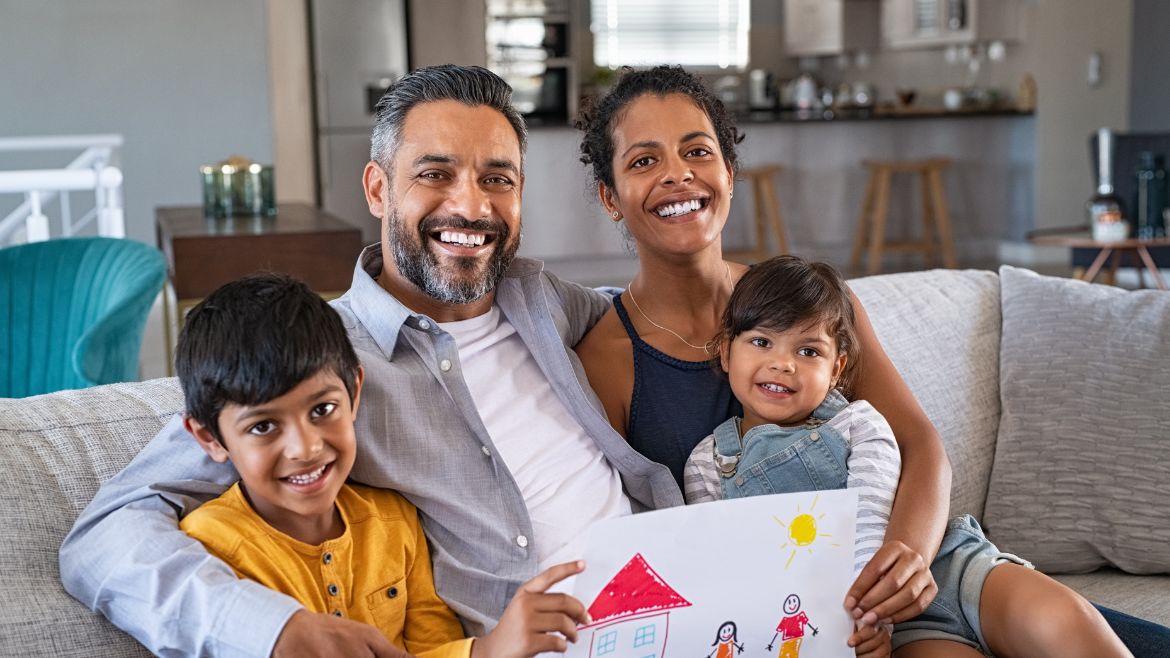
936,219
766,213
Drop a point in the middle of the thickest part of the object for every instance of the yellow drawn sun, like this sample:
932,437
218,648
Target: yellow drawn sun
802,530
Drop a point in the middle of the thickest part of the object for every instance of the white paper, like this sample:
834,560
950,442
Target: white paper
666,583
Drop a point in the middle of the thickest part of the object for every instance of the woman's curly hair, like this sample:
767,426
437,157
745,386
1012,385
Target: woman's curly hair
597,118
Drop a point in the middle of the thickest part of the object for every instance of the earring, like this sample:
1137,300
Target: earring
731,194
616,215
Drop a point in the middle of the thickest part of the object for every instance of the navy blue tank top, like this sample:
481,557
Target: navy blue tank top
675,403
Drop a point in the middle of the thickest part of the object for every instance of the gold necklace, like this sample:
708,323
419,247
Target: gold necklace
705,347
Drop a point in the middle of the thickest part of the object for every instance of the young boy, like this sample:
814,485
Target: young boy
272,384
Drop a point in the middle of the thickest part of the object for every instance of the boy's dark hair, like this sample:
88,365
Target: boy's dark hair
597,119
786,291
255,339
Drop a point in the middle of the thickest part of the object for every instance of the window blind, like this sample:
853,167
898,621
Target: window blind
693,33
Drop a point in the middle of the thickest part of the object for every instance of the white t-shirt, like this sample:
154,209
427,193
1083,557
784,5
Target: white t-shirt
564,477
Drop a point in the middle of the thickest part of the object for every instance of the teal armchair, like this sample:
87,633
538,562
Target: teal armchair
72,312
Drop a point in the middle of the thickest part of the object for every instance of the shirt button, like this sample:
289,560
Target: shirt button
739,481
445,365
815,436
392,592
522,541
424,325
327,558
486,450
332,589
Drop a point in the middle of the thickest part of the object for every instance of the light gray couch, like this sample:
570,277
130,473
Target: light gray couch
943,331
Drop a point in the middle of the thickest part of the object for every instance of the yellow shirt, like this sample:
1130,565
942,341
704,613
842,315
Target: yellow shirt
377,572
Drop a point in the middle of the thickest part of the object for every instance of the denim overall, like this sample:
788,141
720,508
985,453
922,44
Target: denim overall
772,459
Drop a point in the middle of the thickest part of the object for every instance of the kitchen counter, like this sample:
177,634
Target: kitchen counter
989,186
873,114
882,112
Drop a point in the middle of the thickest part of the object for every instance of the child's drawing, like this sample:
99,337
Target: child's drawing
718,594
802,530
631,615
725,641
790,630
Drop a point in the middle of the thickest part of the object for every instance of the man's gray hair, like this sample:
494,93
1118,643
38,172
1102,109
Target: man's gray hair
470,85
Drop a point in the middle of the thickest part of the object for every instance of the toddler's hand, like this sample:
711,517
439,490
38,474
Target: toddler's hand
871,642
895,586
534,617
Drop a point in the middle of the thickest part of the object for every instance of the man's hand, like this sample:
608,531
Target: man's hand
533,619
871,642
309,634
895,586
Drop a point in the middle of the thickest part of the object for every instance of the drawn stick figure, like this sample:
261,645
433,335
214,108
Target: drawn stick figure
725,641
790,630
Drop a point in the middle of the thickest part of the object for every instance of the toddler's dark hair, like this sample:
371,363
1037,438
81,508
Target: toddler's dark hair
786,291
255,339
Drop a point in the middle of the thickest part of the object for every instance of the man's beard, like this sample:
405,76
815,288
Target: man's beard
421,266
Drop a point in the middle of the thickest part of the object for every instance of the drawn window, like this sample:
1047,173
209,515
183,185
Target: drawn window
644,636
694,33
607,643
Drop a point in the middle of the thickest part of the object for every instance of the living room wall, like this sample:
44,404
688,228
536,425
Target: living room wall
1149,104
186,83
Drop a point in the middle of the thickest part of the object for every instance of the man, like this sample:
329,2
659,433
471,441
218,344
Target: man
475,407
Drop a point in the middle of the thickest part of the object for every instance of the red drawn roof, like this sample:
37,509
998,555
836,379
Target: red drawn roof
635,589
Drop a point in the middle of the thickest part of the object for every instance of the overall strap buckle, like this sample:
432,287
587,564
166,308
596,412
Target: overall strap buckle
727,448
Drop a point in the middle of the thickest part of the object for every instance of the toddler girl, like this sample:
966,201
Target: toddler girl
788,347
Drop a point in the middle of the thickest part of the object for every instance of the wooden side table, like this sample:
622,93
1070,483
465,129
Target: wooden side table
204,253
1133,247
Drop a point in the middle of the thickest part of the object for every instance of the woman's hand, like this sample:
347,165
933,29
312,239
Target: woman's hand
536,621
895,586
871,642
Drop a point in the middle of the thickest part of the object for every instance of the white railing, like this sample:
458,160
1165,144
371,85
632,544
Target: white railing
92,171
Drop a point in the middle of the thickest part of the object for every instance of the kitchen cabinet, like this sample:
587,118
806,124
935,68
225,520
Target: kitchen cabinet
829,27
528,44
930,23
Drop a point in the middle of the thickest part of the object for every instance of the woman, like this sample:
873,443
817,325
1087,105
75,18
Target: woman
662,152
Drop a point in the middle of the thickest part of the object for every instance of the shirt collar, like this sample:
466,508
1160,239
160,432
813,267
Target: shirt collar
379,312
383,315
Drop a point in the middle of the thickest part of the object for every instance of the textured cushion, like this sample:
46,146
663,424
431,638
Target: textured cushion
1141,596
54,452
941,330
1081,470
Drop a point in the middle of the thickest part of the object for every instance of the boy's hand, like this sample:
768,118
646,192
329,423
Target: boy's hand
895,586
871,642
534,617
308,634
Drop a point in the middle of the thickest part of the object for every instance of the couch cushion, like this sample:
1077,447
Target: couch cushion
55,450
941,329
1140,596
1080,474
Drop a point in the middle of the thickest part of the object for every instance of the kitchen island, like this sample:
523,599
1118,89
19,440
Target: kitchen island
989,186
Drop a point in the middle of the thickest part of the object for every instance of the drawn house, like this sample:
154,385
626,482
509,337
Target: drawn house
631,615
